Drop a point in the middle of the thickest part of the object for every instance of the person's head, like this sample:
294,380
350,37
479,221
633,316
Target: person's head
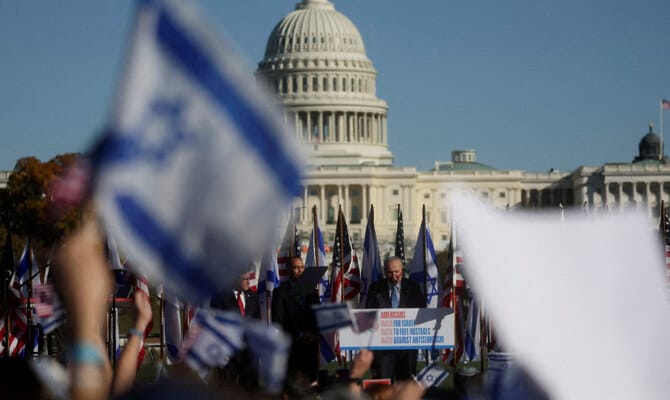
393,269
244,283
297,267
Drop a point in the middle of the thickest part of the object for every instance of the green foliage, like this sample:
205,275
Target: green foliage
24,204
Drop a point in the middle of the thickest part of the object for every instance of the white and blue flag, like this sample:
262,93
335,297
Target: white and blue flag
332,316
416,269
316,257
172,326
471,346
271,347
268,281
372,263
431,375
195,168
214,337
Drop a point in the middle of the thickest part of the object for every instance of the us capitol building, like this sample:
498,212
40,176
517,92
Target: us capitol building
316,64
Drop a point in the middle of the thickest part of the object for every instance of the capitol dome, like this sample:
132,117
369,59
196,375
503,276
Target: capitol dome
316,64
650,147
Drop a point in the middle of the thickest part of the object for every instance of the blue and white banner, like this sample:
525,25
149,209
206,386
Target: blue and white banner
416,272
215,336
471,343
431,375
173,327
271,346
195,168
332,316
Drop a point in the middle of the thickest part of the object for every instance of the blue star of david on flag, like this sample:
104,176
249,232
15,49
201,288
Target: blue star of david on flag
188,132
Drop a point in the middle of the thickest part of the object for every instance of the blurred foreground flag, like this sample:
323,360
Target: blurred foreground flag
577,302
195,168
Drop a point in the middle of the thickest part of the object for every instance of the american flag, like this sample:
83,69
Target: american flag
400,238
345,263
451,298
665,104
290,247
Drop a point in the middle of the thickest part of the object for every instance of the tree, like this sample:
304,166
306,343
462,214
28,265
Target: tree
24,203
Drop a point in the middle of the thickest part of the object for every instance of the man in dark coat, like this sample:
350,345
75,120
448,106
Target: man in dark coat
242,368
291,309
394,292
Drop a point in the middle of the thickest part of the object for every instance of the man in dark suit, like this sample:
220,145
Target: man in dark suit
291,309
394,292
242,368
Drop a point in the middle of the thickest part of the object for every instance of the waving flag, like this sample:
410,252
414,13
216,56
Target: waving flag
214,337
269,280
26,267
187,108
431,375
173,326
400,238
425,275
49,310
332,316
290,247
271,346
345,264
372,264
316,257
471,341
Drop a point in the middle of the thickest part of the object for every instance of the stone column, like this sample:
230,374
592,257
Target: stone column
345,206
322,214
309,126
304,212
620,195
364,213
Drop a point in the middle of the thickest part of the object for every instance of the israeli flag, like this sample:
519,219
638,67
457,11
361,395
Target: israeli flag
431,375
215,338
318,260
269,280
271,346
195,167
416,272
372,264
332,316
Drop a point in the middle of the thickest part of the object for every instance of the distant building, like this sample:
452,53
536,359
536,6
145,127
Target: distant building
315,62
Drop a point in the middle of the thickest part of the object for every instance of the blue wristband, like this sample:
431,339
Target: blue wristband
136,332
86,353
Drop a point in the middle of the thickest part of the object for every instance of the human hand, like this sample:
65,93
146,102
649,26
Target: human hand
143,312
361,364
408,390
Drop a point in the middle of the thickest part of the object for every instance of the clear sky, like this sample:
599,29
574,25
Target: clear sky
530,85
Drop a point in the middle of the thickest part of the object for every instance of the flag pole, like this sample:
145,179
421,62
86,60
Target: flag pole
660,112
315,235
340,227
425,263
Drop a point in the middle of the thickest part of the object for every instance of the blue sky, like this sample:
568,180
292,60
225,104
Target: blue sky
530,85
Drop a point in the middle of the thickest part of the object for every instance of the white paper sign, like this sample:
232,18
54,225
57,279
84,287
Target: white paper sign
403,328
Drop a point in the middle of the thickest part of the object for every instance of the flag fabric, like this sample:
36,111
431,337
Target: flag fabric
113,256
431,375
316,257
215,336
332,316
428,279
269,280
24,269
665,234
472,337
364,320
583,285
345,265
372,269
187,108
290,247
400,238
17,335
271,347
173,326
49,310
665,104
